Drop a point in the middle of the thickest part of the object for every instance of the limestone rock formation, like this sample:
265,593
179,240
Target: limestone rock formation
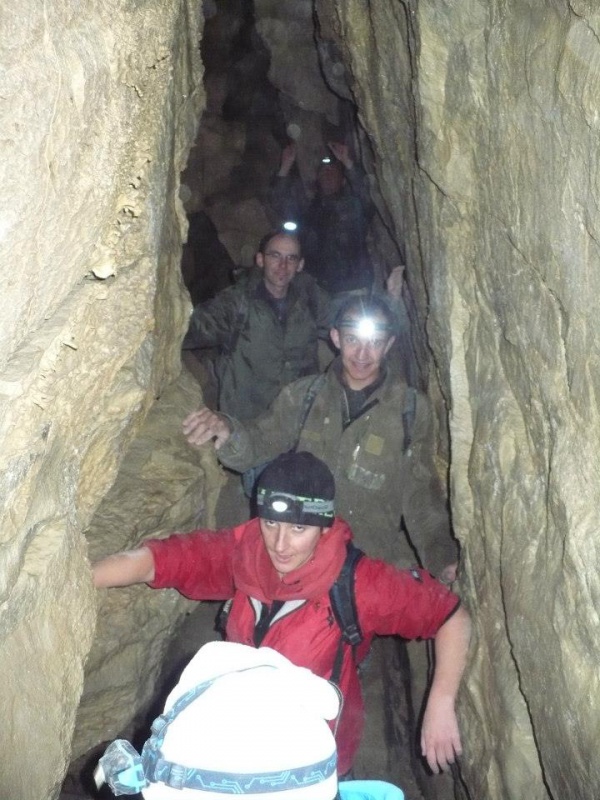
484,119
99,104
480,123
163,485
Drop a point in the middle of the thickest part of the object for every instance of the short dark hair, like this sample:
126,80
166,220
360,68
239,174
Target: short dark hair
264,242
367,307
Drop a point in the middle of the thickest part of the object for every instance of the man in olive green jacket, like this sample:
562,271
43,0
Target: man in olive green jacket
265,329
374,432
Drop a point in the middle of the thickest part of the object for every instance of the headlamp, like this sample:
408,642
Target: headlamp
292,508
121,768
326,160
290,226
366,327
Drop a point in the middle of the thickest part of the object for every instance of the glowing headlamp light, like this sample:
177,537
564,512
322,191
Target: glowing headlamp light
326,160
290,226
280,506
366,327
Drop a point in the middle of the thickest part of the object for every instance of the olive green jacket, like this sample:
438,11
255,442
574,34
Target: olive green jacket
257,355
379,479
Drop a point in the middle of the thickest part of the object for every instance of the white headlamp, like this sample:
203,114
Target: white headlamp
366,327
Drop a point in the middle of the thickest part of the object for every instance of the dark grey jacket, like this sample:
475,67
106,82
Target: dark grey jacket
256,353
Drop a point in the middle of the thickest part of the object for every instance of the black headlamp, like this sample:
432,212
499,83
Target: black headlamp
293,508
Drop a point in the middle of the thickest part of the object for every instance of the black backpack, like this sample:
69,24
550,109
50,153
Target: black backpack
343,605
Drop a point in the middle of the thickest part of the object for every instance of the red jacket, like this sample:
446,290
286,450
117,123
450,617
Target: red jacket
209,565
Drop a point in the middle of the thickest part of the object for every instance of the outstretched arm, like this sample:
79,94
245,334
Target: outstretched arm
440,737
288,157
124,569
341,151
394,283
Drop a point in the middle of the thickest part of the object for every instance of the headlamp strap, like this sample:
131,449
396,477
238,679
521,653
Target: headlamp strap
128,773
266,498
152,748
178,776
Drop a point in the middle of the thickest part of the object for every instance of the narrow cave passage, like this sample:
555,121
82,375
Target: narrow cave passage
478,124
247,122
261,97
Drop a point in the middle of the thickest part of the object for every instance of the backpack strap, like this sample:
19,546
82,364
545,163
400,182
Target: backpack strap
307,403
252,474
343,605
408,416
241,315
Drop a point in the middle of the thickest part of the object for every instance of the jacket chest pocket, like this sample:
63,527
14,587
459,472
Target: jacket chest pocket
368,466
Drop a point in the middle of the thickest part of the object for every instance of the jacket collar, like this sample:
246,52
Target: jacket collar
255,575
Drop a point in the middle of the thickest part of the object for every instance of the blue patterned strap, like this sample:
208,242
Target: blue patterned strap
158,769
179,777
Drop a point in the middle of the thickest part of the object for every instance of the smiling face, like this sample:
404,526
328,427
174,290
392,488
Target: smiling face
280,261
289,544
362,352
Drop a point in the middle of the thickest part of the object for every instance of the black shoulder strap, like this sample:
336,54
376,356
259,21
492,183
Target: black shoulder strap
408,416
343,605
241,315
307,403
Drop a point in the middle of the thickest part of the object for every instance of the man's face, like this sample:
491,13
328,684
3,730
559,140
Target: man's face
288,544
330,178
280,262
362,352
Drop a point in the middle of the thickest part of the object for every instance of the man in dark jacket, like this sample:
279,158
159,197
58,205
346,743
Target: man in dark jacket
333,225
265,329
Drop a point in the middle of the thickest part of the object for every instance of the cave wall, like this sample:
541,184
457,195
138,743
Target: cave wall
481,124
484,119
99,105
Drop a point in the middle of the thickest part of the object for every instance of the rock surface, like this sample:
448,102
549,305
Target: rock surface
163,485
482,129
99,105
484,119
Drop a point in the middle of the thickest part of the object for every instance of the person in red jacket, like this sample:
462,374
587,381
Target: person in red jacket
278,568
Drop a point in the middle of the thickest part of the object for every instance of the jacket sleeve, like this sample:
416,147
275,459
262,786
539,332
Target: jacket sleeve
276,431
197,564
425,509
212,322
408,603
